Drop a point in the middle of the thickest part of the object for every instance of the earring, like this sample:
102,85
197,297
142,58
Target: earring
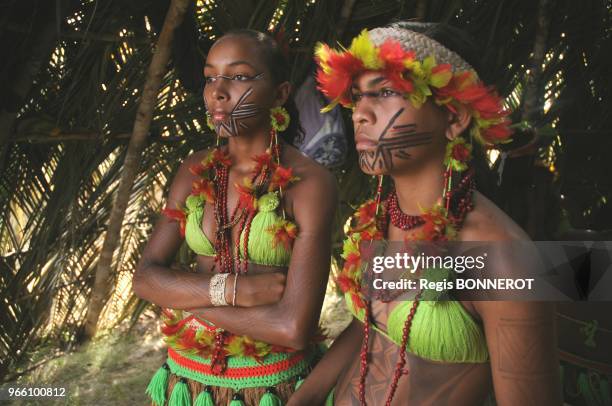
209,121
457,158
279,118
279,121
458,154
379,188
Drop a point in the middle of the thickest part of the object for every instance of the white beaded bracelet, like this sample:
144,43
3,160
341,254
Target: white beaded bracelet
216,289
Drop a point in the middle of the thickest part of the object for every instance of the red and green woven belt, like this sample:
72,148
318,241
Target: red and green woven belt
241,372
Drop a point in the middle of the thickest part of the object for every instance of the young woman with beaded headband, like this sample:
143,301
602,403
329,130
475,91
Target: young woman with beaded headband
241,328
418,107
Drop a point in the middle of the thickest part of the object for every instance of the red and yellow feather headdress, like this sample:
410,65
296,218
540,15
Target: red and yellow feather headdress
417,73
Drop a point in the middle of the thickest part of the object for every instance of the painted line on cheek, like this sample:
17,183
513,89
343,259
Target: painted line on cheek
240,112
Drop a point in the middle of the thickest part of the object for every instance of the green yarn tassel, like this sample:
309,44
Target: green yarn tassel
436,275
158,385
180,395
260,239
204,398
448,334
329,401
236,400
299,383
270,399
193,229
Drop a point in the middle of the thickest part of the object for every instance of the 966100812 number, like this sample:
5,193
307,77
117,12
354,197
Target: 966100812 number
16,392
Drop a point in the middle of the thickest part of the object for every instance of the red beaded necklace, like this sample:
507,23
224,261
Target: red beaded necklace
459,201
459,197
242,215
400,219
212,186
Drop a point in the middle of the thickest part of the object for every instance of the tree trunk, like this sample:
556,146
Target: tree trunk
531,113
157,70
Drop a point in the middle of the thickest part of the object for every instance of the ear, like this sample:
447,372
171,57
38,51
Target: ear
457,122
282,94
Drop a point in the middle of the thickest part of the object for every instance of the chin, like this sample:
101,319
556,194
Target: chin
373,172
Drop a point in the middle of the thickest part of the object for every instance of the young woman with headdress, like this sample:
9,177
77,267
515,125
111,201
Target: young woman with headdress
241,328
419,111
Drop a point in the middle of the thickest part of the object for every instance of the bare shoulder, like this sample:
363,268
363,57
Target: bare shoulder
487,222
190,160
195,157
314,178
183,179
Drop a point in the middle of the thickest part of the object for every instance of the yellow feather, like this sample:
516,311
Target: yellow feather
329,107
363,49
322,52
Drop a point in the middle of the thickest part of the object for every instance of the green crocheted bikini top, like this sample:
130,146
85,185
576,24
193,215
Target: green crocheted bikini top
441,331
262,247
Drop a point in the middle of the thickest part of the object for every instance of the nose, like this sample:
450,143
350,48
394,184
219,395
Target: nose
363,113
217,90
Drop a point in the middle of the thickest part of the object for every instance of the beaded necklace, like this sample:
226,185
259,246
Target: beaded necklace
267,172
243,212
212,186
441,222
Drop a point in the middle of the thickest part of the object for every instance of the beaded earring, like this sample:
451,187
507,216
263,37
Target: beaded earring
209,121
279,121
379,192
279,118
457,158
211,125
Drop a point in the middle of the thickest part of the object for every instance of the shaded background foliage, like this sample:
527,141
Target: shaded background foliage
71,79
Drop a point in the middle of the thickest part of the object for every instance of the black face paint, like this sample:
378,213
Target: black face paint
239,78
394,142
241,111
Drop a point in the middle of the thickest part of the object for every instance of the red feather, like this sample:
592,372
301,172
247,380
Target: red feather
204,188
497,132
197,169
221,158
262,161
281,178
246,196
177,215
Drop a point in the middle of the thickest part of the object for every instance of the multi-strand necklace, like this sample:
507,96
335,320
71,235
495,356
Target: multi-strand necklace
444,221
242,215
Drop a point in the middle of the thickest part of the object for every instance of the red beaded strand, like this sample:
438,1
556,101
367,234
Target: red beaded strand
399,219
217,360
224,227
399,368
224,259
461,197
363,354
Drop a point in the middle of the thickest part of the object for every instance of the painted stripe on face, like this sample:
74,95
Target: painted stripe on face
241,111
394,142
